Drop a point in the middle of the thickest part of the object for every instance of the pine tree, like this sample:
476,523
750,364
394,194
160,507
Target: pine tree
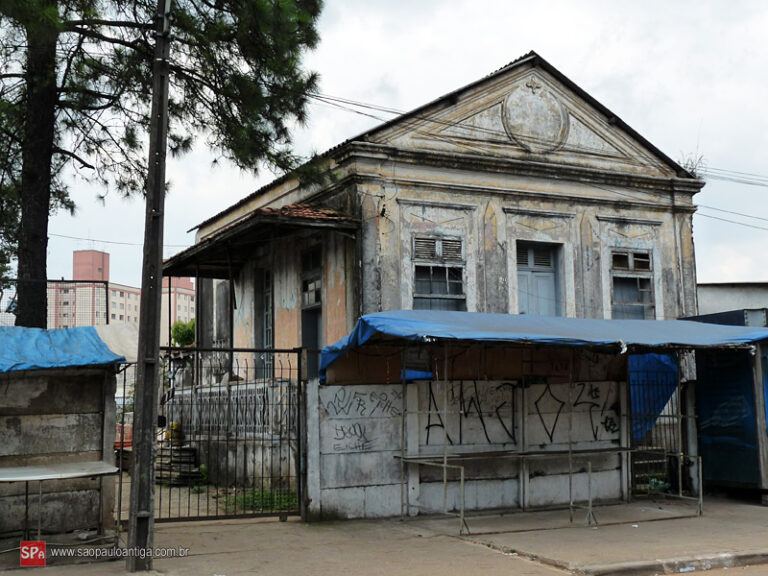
75,93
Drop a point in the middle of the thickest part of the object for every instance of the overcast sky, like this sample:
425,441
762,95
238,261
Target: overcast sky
691,77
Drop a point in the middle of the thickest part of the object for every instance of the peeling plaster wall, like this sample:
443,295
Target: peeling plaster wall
518,156
243,315
490,215
336,289
53,417
283,260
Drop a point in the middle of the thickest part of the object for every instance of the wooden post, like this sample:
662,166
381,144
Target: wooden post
141,520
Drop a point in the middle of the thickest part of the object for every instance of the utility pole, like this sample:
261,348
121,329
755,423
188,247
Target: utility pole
141,521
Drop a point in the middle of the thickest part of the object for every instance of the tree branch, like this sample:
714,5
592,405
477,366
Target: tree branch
70,59
11,135
89,92
71,25
81,107
83,163
134,44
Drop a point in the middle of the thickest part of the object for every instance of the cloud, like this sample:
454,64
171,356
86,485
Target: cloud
686,75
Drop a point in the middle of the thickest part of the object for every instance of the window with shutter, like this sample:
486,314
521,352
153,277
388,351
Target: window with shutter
311,277
632,285
538,287
438,274
542,256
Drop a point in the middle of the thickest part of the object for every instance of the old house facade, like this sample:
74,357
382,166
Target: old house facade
517,194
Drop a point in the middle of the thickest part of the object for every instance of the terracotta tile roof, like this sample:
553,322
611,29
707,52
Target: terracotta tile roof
305,211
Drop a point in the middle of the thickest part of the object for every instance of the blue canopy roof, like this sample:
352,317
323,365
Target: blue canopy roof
428,326
36,349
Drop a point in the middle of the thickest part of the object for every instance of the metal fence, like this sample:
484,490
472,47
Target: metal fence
228,437
658,429
71,303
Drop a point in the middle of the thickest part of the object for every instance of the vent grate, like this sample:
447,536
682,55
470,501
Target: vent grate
425,248
542,257
522,255
451,250
437,249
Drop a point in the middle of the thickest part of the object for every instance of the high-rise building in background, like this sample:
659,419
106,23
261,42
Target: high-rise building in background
90,299
82,301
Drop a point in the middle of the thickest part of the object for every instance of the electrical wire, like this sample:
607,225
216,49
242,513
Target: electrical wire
731,212
346,104
114,241
723,174
734,222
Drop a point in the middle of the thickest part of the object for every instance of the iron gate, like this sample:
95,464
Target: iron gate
657,425
230,424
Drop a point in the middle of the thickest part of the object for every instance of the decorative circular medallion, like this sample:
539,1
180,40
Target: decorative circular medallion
534,118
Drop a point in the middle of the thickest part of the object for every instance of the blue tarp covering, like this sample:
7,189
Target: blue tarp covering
726,421
652,381
765,386
36,349
428,325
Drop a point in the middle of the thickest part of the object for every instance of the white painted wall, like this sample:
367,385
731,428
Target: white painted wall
715,298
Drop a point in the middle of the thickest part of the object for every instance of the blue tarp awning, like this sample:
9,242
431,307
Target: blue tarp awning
430,326
37,349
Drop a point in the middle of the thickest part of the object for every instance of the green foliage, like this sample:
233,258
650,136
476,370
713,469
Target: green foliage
183,333
236,81
127,408
261,501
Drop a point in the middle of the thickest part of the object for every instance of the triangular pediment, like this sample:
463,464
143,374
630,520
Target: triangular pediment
527,112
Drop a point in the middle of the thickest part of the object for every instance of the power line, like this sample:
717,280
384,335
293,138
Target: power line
747,181
731,212
345,103
734,222
114,241
714,173
699,213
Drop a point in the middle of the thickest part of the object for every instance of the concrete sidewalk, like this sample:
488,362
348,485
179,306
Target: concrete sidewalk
640,538
730,534
272,548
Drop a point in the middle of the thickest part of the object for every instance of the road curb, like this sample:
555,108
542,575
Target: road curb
675,565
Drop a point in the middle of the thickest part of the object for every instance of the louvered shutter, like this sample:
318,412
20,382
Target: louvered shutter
425,248
451,250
